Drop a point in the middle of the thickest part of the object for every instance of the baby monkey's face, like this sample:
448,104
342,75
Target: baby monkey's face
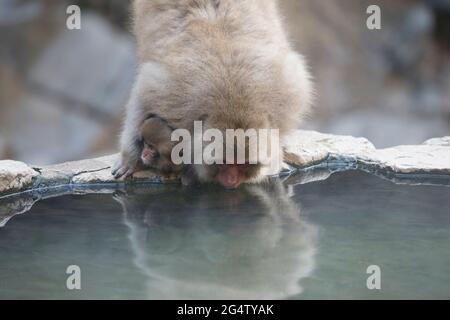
157,145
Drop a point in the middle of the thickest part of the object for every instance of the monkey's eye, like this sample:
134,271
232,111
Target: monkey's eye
156,155
140,141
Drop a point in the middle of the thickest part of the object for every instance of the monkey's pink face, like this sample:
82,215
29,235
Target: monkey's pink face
246,143
230,176
149,155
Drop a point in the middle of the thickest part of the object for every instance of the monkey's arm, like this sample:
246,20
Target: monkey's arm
128,162
130,145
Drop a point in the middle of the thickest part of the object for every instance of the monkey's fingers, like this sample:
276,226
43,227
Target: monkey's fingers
129,173
115,168
123,171
117,173
120,196
114,171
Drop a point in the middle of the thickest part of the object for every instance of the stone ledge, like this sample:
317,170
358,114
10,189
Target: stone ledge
16,176
304,150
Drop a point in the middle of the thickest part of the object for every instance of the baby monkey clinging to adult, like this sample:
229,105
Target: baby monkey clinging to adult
155,140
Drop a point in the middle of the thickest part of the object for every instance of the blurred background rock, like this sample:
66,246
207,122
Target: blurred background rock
62,91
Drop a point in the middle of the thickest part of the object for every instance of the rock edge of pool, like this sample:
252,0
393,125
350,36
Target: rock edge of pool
305,151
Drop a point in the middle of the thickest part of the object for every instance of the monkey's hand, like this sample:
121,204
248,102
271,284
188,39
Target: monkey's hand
124,167
121,197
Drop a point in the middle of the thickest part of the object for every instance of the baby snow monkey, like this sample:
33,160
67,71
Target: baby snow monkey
155,140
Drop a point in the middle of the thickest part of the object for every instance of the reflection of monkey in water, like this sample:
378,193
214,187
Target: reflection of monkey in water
226,62
250,244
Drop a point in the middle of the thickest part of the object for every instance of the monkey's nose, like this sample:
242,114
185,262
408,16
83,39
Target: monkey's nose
230,177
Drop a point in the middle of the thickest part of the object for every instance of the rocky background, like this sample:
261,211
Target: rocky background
62,92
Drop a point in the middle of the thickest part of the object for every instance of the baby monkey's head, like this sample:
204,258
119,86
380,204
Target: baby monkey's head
155,138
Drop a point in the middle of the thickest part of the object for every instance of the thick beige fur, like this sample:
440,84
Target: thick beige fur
227,62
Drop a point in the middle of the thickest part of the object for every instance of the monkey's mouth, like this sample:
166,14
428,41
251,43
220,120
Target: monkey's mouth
231,176
146,161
